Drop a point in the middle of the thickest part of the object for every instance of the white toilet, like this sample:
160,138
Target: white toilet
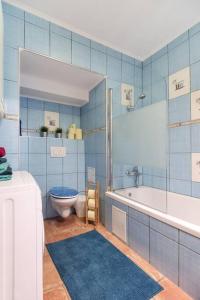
63,199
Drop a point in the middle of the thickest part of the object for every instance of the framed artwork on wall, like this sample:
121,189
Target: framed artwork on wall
51,120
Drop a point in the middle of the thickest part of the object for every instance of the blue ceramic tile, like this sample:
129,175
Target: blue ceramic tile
196,189
195,76
117,183
138,77
120,205
195,138
128,59
160,68
35,104
180,139
127,73
51,106
36,39
100,91
100,164
147,74
159,91
80,55
35,20
13,160
41,181
10,136
71,146
23,162
194,46
180,186
37,164
180,166
190,241
70,180
11,97
60,48
138,63
113,53
97,46
189,272
138,216
100,141
138,237
81,182
52,180
65,109
194,29
81,146
35,119
23,102
81,163
114,68
179,109
100,113
23,144
164,255
179,40
60,31
13,31
11,63
98,61
159,182
12,10
70,163
65,121
76,111
159,53
102,211
54,165
179,57
147,90
37,145
53,142
147,61
80,39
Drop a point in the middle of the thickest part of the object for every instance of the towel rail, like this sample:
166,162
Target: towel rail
184,123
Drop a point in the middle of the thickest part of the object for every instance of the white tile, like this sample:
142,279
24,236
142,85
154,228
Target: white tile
179,83
196,167
195,105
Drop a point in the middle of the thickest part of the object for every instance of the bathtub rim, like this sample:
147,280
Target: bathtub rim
163,217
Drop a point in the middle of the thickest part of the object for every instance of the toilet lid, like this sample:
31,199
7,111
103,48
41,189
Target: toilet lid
63,192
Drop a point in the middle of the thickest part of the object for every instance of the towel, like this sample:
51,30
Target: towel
3,167
2,152
3,160
5,177
8,171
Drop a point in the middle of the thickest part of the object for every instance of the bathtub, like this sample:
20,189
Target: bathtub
180,211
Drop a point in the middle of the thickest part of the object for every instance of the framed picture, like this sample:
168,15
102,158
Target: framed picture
51,120
127,94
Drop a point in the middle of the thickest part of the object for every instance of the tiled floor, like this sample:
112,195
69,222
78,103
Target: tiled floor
55,230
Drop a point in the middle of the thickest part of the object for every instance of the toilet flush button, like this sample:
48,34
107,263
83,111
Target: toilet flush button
58,151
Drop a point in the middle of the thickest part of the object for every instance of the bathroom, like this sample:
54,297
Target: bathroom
99,151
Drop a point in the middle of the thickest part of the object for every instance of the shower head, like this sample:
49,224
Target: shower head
142,96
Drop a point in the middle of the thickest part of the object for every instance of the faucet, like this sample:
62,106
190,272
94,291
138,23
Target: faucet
134,172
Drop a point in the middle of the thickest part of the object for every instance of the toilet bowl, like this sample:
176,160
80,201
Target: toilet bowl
63,199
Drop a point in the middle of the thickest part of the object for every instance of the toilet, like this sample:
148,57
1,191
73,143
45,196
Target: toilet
63,200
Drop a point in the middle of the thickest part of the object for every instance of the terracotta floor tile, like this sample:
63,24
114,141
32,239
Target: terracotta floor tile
56,294
57,229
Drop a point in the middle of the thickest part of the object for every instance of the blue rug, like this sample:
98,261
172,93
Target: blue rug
93,269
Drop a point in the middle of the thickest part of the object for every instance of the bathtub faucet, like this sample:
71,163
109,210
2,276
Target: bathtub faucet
134,172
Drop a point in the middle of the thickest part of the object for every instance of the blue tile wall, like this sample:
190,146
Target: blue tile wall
32,114
50,171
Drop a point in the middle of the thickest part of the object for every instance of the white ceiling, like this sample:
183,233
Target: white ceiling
46,78
136,27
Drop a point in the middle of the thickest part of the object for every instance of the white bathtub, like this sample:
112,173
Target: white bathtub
180,211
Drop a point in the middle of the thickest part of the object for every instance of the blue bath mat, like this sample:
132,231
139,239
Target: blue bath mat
93,269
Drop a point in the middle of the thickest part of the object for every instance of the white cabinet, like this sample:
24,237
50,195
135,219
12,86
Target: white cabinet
22,238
